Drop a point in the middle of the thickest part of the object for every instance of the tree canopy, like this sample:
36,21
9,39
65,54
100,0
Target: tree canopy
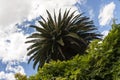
101,63
60,37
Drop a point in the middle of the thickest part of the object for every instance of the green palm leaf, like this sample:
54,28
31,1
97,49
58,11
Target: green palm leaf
60,41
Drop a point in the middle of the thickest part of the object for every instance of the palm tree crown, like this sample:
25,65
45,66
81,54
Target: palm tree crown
60,37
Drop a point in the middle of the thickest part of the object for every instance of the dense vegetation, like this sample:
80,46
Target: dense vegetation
101,63
60,38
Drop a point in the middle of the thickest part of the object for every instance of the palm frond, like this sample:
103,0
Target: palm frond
60,37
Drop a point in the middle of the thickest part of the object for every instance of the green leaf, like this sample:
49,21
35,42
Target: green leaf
50,17
73,35
35,35
33,50
33,46
33,41
39,29
60,41
61,52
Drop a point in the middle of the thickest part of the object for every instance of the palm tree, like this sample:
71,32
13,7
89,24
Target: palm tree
60,37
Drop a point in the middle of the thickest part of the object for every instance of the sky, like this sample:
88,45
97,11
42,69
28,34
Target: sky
17,15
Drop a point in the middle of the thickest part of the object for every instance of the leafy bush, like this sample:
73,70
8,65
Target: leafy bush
19,76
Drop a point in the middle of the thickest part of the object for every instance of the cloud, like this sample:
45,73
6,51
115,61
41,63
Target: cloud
12,53
105,33
39,7
10,70
82,2
13,47
14,67
106,14
91,13
6,76
13,11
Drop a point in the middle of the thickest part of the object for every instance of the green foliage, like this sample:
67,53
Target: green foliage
105,59
60,38
101,63
19,76
65,70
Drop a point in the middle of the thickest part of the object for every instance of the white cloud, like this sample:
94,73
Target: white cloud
91,13
82,2
105,33
15,68
12,52
39,7
13,11
106,14
13,47
6,76
11,69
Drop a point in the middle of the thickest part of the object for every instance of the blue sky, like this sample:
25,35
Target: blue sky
17,15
